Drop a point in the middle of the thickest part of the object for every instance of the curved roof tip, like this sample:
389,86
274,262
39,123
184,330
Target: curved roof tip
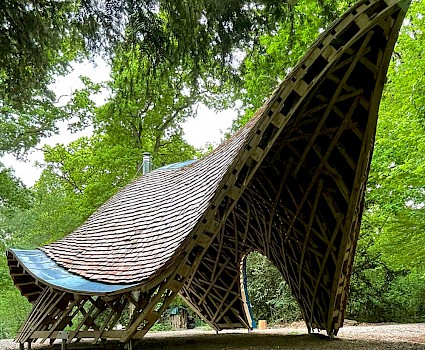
43,269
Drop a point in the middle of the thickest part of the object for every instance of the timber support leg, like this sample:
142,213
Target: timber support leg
129,345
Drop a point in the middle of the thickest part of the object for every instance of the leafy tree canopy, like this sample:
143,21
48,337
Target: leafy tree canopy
203,38
396,200
38,39
143,114
278,50
12,190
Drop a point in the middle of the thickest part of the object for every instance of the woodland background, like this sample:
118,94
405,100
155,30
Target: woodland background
165,58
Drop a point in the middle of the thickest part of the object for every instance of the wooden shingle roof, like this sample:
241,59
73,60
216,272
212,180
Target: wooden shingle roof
290,185
140,229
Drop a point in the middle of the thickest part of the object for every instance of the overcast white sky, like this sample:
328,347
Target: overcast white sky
207,127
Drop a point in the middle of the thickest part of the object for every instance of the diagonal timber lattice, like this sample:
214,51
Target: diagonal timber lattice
290,185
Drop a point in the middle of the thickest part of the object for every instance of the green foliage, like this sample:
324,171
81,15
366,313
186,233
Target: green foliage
378,293
13,310
205,34
269,294
395,205
37,39
22,129
51,216
161,327
14,197
200,39
142,115
12,191
388,278
88,171
148,106
277,52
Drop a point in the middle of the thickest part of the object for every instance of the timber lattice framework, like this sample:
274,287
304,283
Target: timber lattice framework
290,185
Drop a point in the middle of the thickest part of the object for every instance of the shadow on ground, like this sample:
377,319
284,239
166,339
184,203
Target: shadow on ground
250,342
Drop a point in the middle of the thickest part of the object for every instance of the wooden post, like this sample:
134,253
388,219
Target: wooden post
64,336
262,324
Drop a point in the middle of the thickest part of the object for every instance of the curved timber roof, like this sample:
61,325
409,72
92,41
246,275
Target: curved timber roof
290,184
142,229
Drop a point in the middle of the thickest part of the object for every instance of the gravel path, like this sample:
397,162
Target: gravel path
370,337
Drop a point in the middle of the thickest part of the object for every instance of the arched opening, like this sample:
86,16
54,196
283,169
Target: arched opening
268,293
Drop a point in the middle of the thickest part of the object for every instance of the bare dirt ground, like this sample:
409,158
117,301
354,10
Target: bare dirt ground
293,337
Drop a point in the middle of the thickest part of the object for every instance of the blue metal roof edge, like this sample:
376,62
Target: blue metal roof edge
41,267
175,166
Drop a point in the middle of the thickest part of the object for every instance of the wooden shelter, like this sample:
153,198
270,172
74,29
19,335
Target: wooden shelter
290,185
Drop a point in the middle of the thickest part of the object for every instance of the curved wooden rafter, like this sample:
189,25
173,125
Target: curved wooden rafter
289,185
